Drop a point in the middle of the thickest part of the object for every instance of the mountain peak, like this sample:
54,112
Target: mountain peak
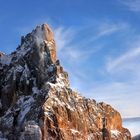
40,38
36,101
42,33
31,66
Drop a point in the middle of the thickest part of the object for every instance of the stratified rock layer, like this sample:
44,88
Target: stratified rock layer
36,101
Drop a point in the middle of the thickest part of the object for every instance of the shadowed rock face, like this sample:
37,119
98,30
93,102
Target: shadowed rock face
36,101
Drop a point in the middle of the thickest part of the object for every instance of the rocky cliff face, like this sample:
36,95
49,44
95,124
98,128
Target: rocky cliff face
36,101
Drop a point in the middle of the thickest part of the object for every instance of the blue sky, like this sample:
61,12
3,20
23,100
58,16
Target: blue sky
98,43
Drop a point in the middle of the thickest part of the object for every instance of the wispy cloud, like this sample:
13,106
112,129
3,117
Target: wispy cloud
127,60
73,52
133,5
77,46
106,29
118,94
124,80
110,28
67,39
68,46
63,37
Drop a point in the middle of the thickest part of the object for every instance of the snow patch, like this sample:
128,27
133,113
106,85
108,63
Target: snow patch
39,35
25,103
115,132
25,74
35,90
19,68
5,60
32,129
59,102
74,131
69,107
14,75
23,50
90,136
50,68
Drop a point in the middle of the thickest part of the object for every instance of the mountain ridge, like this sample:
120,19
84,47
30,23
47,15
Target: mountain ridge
36,101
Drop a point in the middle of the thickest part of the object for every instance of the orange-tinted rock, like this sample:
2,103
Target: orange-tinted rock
75,117
48,36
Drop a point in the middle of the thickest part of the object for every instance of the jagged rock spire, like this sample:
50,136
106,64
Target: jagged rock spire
43,38
33,64
43,34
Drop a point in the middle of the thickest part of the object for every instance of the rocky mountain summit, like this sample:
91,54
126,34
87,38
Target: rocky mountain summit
37,103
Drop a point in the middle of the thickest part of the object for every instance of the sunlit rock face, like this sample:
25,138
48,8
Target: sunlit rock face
37,103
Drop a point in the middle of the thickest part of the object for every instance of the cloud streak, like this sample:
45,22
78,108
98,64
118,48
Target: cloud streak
66,38
125,61
118,94
133,5
124,80
63,37
110,28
